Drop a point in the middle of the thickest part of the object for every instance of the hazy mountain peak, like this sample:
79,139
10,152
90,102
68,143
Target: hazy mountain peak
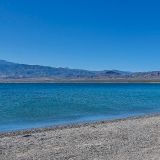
4,62
9,70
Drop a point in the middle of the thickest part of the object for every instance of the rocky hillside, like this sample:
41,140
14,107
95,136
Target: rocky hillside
14,71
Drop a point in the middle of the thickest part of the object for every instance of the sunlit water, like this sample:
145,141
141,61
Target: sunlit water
24,106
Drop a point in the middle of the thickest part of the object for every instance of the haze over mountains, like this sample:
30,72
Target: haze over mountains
13,72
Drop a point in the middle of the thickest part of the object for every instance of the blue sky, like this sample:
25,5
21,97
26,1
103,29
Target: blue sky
88,34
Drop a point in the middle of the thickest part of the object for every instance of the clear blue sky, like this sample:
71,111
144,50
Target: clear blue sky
88,34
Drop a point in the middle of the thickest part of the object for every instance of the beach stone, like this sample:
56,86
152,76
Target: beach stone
128,139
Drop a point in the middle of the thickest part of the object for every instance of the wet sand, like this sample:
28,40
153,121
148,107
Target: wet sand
128,139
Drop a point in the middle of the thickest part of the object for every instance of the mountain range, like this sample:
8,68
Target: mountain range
14,72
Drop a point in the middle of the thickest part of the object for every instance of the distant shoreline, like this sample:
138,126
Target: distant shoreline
78,81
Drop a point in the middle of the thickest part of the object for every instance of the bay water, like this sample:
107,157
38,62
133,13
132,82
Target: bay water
24,106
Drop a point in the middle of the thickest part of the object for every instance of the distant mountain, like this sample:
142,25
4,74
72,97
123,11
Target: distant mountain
22,72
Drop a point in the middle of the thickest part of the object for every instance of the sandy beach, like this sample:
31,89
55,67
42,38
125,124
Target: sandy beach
128,139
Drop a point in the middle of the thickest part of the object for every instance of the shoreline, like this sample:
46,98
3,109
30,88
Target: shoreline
79,81
134,138
72,125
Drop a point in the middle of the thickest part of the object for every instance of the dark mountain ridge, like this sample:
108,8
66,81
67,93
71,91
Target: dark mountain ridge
15,71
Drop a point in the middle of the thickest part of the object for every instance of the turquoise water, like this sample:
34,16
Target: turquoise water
24,106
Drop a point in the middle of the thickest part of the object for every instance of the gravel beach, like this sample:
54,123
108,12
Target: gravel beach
128,139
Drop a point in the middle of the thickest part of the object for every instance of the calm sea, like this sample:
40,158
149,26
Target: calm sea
24,106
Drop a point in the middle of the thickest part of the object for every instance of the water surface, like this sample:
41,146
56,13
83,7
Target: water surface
24,106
